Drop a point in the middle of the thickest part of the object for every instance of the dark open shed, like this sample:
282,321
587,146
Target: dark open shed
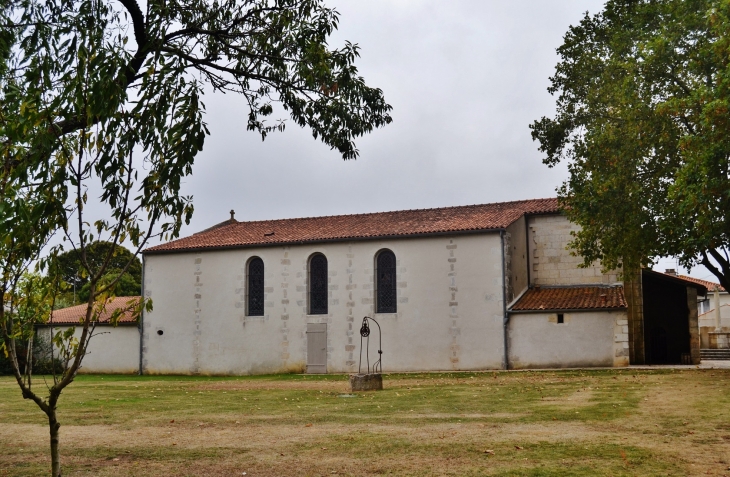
670,318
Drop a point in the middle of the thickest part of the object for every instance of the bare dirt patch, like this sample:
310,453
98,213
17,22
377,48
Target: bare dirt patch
293,385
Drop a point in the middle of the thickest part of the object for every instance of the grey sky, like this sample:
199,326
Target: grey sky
465,79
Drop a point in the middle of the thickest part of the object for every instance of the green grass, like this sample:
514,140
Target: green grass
604,422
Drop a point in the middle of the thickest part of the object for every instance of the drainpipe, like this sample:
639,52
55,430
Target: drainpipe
141,322
718,328
505,315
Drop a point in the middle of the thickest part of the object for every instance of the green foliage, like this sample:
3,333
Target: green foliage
71,270
643,109
125,285
6,366
105,95
113,258
32,305
45,359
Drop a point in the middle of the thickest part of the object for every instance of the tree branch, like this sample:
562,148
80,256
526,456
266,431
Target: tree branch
724,275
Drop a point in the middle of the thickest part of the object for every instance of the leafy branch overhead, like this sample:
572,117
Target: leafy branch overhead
643,109
109,76
106,96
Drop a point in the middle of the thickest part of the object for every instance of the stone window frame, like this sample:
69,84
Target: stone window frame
248,286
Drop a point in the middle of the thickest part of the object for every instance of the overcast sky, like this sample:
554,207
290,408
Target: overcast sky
465,79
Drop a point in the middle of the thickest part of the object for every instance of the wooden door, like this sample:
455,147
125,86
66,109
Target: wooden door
317,348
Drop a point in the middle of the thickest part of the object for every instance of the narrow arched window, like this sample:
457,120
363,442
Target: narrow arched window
255,287
385,298
318,285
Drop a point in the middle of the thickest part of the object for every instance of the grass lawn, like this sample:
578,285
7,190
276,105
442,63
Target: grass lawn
562,423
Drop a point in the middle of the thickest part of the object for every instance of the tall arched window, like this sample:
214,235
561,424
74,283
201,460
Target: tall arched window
318,285
385,298
255,287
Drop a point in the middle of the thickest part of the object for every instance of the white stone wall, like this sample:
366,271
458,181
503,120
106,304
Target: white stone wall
585,339
708,320
550,260
112,350
449,308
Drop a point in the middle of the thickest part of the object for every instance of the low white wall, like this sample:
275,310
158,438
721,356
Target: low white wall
112,350
585,339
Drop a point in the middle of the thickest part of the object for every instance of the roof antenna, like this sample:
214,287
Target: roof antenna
233,214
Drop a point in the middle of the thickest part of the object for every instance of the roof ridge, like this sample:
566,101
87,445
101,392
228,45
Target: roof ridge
369,225
382,212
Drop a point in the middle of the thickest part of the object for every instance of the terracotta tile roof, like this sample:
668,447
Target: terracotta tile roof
72,314
233,234
709,285
571,298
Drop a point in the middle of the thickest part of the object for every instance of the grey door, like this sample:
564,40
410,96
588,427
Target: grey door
317,348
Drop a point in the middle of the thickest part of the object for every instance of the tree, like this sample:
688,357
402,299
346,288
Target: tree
85,107
643,109
71,271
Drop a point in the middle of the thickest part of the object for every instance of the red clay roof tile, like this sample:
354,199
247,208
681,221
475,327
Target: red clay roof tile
73,314
709,285
571,298
232,234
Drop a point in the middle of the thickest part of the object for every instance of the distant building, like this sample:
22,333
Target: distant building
706,307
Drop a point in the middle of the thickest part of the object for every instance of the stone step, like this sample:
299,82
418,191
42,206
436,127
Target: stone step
715,354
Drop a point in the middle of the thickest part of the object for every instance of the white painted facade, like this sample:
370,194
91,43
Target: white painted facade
584,339
450,315
111,350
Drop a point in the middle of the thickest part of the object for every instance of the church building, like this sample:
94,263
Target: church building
476,287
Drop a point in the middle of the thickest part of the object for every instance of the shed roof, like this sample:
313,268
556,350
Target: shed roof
404,223
74,314
589,297
684,281
707,284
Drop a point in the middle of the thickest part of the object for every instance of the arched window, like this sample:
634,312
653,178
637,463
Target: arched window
255,287
385,297
318,285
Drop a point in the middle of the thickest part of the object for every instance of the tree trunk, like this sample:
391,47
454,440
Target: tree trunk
55,456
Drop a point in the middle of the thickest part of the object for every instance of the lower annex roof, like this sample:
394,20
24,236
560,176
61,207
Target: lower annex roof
557,298
74,314
404,223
